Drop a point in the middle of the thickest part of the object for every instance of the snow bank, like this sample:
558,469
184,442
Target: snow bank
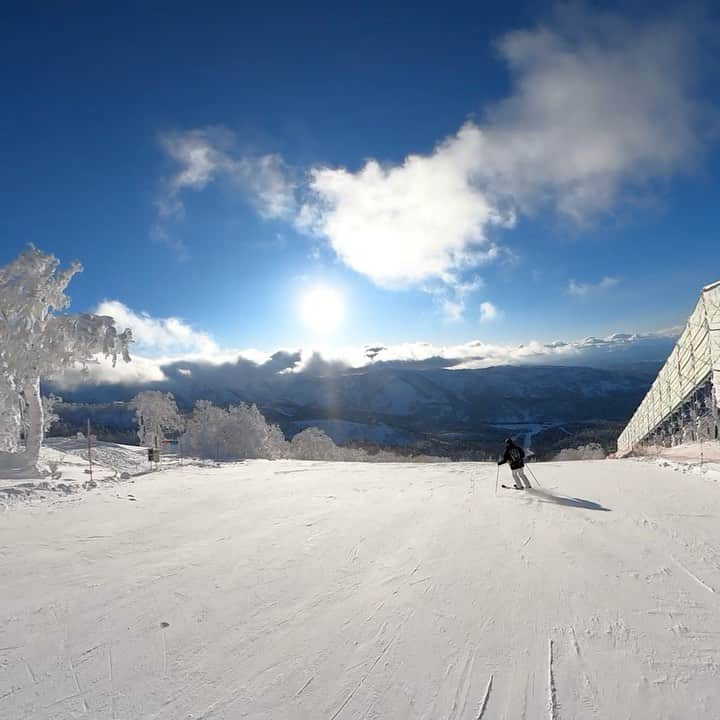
700,459
64,469
129,459
686,452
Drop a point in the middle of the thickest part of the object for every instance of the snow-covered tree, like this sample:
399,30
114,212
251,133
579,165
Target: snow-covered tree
36,343
591,451
50,417
11,421
156,414
202,430
238,432
253,436
313,444
276,444
242,432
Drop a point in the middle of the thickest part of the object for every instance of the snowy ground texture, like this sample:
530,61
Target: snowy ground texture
68,457
300,590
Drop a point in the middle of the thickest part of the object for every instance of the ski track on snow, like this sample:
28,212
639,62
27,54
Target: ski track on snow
422,596
364,678
692,575
304,687
484,701
552,690
463,687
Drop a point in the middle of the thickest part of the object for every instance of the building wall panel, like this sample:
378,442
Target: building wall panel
694,359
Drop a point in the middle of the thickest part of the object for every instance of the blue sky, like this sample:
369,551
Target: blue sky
215,164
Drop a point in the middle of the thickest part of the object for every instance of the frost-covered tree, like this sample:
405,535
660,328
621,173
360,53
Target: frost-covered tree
36,342
202,431
156,414
277,446
238,432
313,444
591,451
242,432
50,417
11,421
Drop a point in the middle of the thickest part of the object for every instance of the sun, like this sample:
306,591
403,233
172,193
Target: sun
322,309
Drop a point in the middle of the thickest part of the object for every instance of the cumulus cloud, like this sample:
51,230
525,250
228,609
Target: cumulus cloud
140,371
600,106
476,354
583,289
404,224
479,354
588,351
190,356
599,102
158,336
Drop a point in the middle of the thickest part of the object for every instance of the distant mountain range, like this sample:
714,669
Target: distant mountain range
386,403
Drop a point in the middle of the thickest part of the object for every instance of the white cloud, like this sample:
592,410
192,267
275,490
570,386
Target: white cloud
599,105
200,155
488,312
599,102
452,296
145,369
453,310
583,289
267,179
479,354
140,371
408,223
204,361
206,155
158,336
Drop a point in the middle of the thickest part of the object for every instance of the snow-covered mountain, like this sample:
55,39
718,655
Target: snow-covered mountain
406,400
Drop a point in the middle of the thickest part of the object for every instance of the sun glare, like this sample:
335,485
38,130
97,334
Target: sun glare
322,309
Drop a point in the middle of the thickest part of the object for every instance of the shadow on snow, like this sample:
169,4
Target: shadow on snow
545,496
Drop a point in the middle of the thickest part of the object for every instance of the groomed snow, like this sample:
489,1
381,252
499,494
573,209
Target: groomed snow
302,590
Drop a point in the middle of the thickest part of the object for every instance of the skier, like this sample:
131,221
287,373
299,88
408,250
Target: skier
515,455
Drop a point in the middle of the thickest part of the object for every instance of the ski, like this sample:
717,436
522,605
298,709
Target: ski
510,487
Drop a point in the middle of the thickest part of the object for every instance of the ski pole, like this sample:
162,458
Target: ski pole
497,478
534,477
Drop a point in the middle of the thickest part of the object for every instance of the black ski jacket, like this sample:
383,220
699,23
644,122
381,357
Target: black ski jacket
514,455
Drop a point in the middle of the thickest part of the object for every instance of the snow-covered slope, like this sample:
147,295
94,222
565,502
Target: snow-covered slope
66,469
289,590
130,459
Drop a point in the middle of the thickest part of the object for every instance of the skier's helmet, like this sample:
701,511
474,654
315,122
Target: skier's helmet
508,441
